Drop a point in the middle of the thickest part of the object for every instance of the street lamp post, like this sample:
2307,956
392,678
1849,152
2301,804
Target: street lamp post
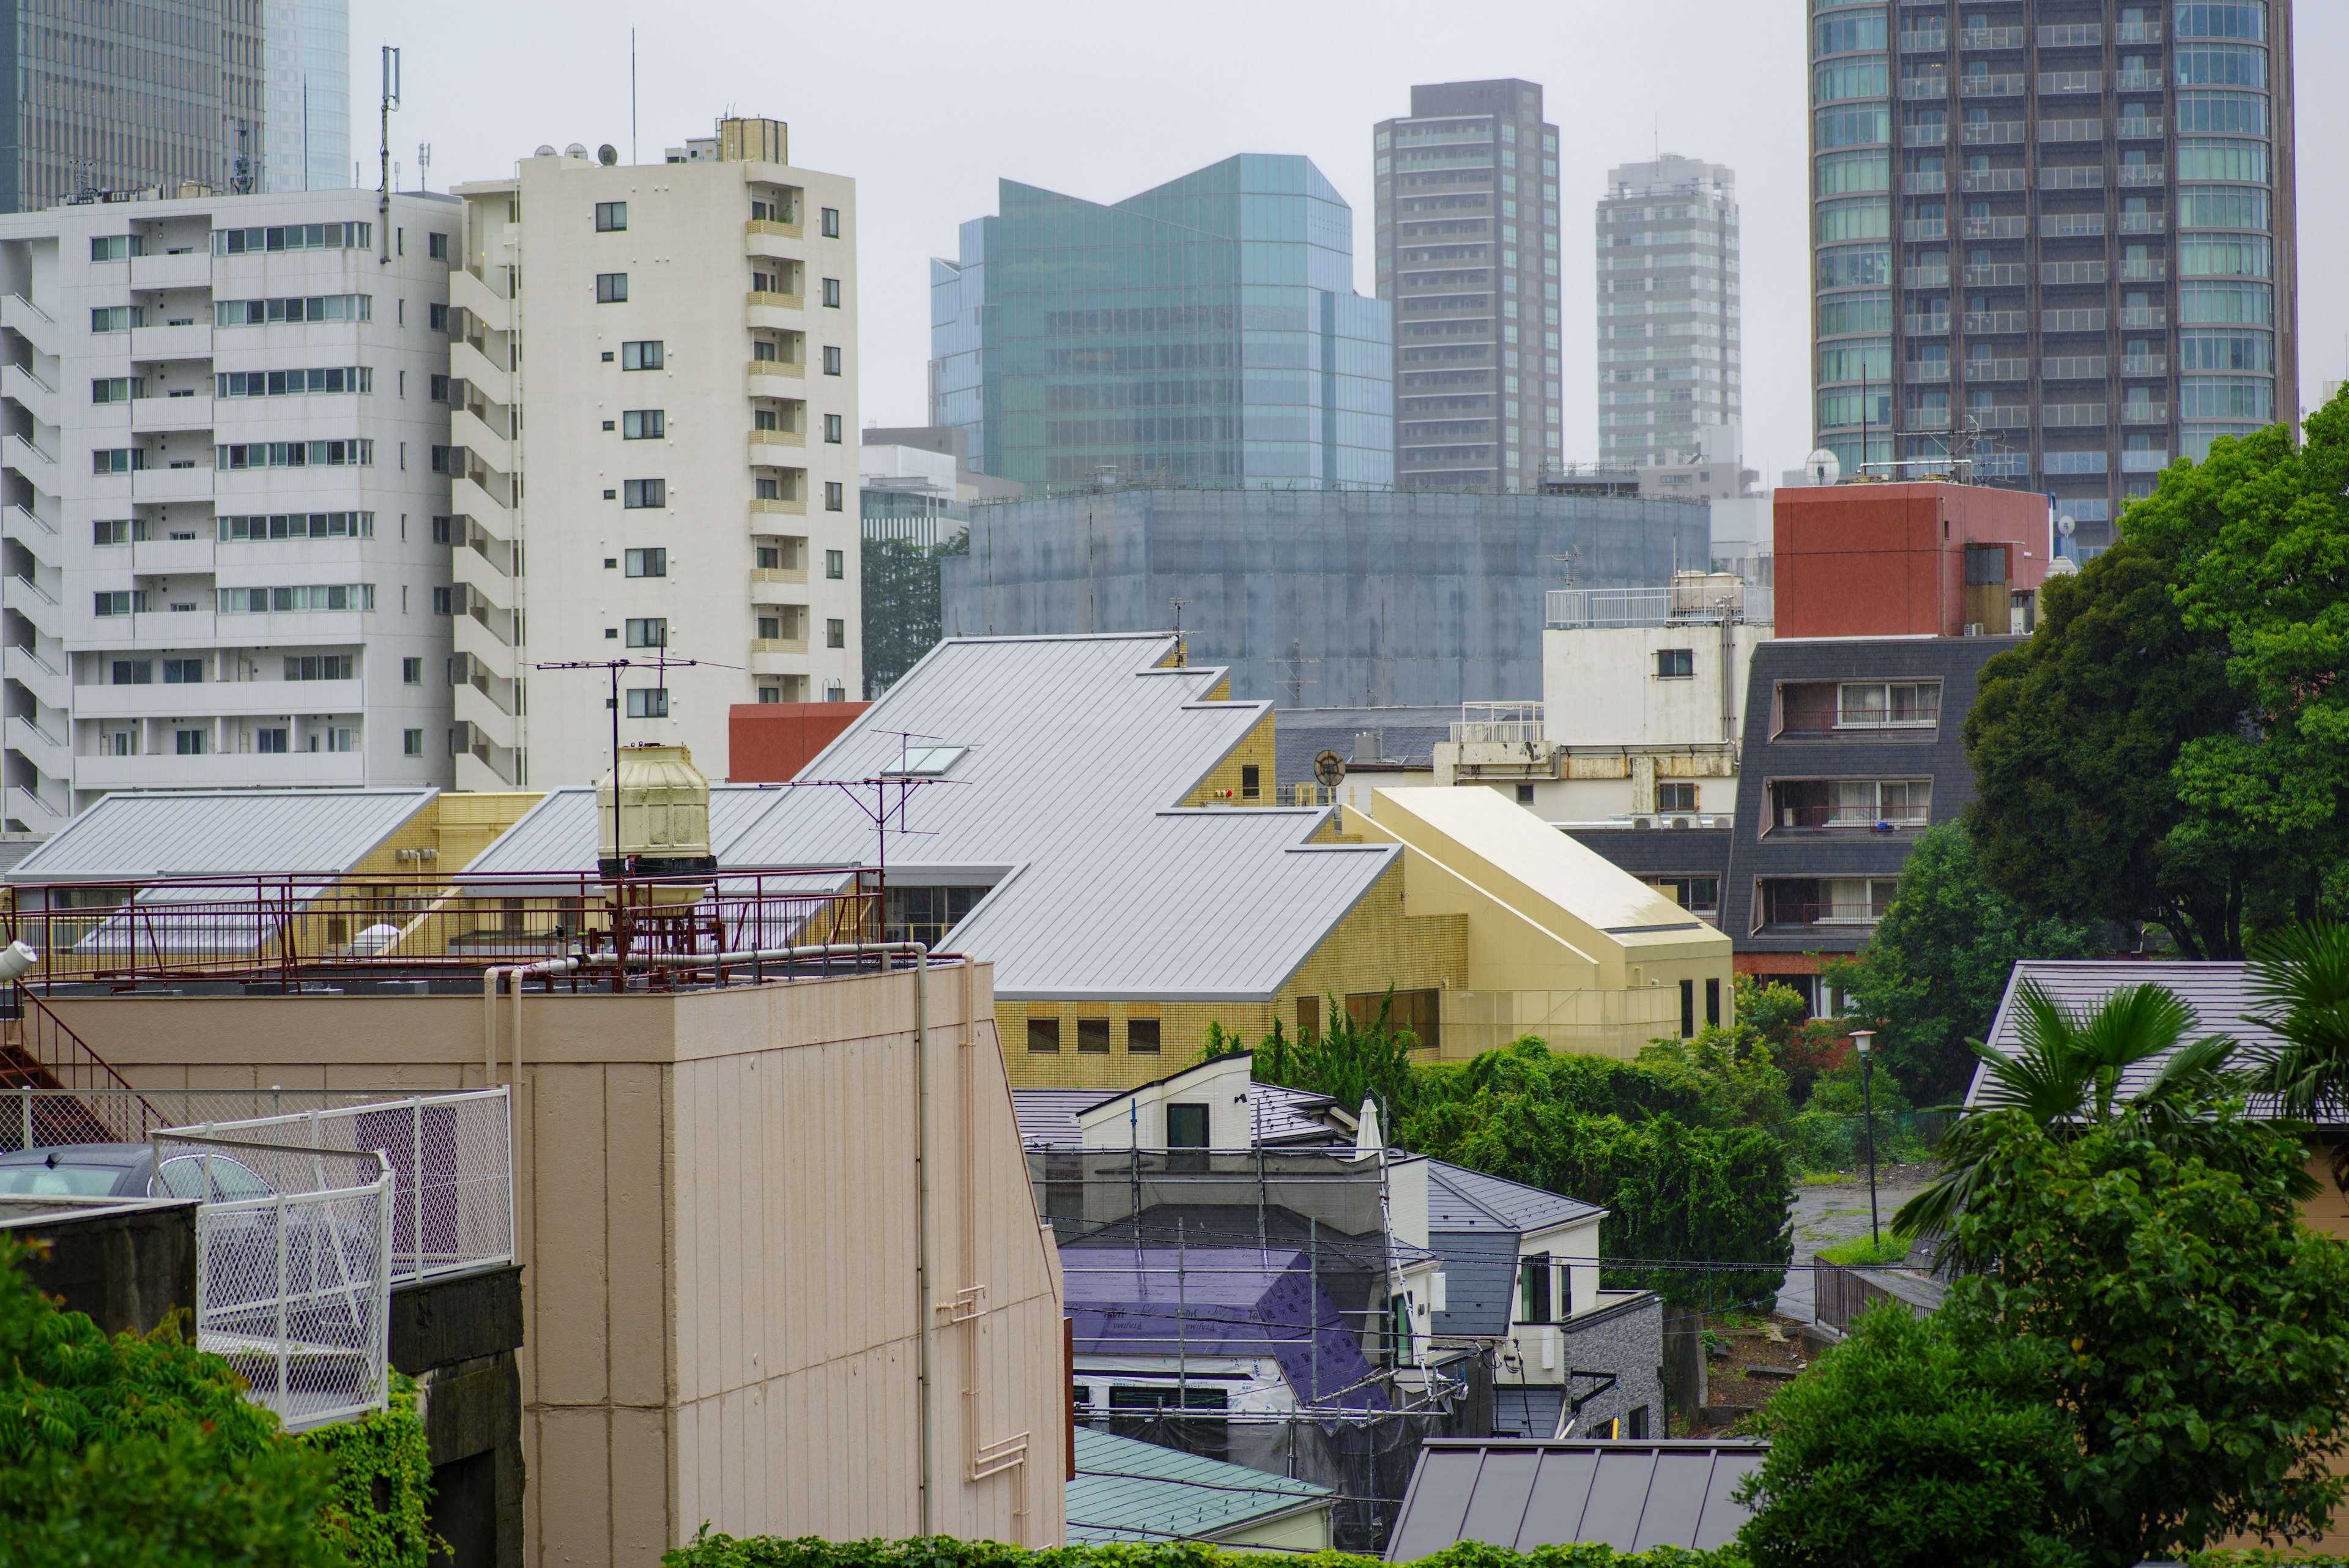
1860,1039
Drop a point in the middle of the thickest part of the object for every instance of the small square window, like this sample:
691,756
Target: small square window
1093,1037
834,427
649,702
1043,1034
832,293
611,217
832,360
833,495
644,495
1524,794
611,287
1142,1036
411,742
831,223
647,564
835,563
835,633
411,673
436,247
1675,663
1680,797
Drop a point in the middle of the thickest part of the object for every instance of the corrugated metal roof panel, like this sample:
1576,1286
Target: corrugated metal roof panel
2218,992
1048,1117
1131,1491
208,832
1524,1493
558,834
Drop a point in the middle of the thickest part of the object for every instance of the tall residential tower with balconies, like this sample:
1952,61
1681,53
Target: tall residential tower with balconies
2051,238
1467,251
221,488
1668,323
670,474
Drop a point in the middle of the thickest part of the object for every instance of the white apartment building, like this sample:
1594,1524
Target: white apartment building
218,495
1669,352
670,472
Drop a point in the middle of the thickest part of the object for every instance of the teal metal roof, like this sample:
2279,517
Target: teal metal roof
1132,1491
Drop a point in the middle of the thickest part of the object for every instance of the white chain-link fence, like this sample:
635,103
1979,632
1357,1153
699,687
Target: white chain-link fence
293,1267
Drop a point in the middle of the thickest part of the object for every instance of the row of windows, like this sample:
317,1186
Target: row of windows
356,454
652,494
323,597
612,287
287,383
309,307
612,217
287,525
290,237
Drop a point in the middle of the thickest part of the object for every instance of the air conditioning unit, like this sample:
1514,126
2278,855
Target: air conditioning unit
1643,822
1684,822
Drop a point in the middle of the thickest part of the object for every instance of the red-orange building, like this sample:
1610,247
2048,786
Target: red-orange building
769,743
1909,560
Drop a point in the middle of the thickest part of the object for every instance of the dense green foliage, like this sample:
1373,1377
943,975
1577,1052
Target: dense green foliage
1350,1060
2168,747
1931,975
2167,1303
708,1551
143,1452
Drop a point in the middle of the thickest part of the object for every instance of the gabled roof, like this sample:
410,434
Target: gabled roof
1523,1494
1461,1200
134,836
1126,1490
2218,992
558,834
1048,1117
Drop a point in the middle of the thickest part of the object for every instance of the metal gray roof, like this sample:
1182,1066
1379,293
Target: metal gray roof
1048,1117
1523,1494
558,834
2218,992
237,832
1461,1200
1126,1490
1406,735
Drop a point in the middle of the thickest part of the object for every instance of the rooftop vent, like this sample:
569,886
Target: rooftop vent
662,818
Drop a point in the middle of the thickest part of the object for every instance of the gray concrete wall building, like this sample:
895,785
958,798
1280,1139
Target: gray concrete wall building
1467,250
1668,325
1316,598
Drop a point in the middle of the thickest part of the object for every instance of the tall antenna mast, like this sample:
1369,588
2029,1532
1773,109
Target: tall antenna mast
423,165
383,197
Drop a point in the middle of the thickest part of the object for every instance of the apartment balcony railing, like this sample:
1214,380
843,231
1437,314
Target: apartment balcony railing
2141,271
2003,84
2071,226
2074,367
1976,181
1924,326
2137,33
2141,223
1925,278
1925,371
2063,416
2138,128
1930,184
1994,133
1996,323
2072,36
1998,274
2079,320
2060,82
1986,371
1990,37
2145,413
2007,228
1924,135
1924,229
2139,81
1925,87
1925,420
2142,174
2146,315
2143,461
1924,40
2071,177
2145,365
2071,130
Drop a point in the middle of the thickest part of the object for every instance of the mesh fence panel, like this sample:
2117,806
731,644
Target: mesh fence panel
293,1267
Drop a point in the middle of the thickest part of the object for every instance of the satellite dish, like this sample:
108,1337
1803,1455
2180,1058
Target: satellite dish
576,149
607,155
2065,526
1823,467
2062,567
545,150
1330,769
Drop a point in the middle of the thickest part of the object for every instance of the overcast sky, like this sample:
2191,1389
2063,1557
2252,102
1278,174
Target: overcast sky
927,105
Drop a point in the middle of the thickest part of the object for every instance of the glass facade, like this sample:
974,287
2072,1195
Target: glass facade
1205,332
309,89
1668,303
2054,239
1467,252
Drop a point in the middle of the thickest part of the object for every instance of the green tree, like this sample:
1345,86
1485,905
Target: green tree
1896,1449
2069,1073
1351,1059
2300,979
1932,974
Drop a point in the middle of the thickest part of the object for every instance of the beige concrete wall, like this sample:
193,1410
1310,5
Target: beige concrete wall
715,1207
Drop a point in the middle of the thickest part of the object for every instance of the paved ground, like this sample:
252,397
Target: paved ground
1829,1212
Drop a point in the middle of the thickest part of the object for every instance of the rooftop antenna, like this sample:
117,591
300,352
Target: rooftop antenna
614,666
424,166
632,95
1182,659
383,197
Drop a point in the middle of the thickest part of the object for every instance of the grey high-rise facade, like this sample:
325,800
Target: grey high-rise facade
309,105
2051,238
1467,250
127,94
1668,339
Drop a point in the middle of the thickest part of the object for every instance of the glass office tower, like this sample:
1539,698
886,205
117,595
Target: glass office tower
2051,238
1205,332
1467,250
309,83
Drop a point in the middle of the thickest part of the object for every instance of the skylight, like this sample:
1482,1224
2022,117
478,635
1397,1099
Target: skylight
924,762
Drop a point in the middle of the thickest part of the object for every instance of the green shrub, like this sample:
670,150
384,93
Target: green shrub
708,1551
1860,1252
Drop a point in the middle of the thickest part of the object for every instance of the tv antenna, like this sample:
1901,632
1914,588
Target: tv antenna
662,664
1182,659
390,101
1297,680
423,166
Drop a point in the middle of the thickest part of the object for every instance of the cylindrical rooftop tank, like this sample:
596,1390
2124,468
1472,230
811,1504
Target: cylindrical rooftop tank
663,820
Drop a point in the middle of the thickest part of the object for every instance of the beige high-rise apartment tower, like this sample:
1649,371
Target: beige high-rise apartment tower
655,426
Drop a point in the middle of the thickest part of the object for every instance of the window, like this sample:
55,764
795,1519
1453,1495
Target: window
765,420
1142,1036
611,217
183,672
1251,782
436,317
1871,705
1700,896
306,308
767,489
115,247
832,360
1524,794
338,740
411,742
441,606
835,564
611,288
832,293
297,526
134,672
115,317
1093,1037
117,388
644,495
833,495
440,530
646,354
831,223
835,633
269,741
770,693
1043,1036
1186,1126
643,425
1713,1002
1678,796
293,237
832,429
1635,1425
411,673
1675,663
647,563
436,248
116,460
191,742
116,531
322,667
358,453
1688,1009
649,702
121,602
649,632
1533,1289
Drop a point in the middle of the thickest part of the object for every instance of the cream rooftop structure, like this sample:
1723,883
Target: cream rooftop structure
1080,813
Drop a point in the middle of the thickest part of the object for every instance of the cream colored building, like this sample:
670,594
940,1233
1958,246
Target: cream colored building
673,464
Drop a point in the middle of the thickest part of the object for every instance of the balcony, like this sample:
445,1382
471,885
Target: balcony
2138,128
2090,320
1924,41
171,415
762,443
39,398
2142,174
1924,326
2145,365
1924,277
2071,416
221,698
485,295
2072,36
2059,83
2008,228
1995,323
769,655
2072,272
188,269
769,308
2072,226
768,377
38,327
1982,181
1932,87
1924,135
2137,33
762,506
2143,461
779,585
1916,229
2071,130
2139,81
2137,270
220,770
2006,83
173,557
1990,37
1924,419
1995,133
1998,274
1924,372
2145,315
2145,413
1999,417
168,484
2076,367
192,341
770,229
2141,224
1924,184
1985,371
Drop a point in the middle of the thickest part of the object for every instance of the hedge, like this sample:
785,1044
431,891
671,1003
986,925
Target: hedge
709,1551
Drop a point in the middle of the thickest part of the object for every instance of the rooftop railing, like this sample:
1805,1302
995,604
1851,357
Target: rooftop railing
1570,608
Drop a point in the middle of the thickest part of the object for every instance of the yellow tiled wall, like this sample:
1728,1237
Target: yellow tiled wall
1255,748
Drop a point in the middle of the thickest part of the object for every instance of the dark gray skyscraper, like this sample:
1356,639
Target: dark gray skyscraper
1467,250
124,94
2054,237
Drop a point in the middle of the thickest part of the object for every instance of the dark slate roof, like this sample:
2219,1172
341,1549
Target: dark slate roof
1406,735
1523,1494
1461,1199
1527,1410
